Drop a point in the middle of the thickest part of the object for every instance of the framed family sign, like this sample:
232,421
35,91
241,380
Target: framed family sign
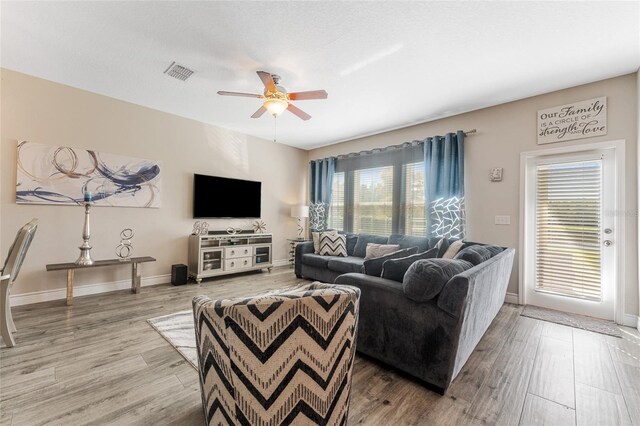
584,119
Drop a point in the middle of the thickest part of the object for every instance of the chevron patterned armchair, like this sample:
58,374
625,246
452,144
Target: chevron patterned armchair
283,357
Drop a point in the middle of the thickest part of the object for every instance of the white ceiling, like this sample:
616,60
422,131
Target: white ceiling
385,64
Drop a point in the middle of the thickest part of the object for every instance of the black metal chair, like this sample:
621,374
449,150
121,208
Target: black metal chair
9,273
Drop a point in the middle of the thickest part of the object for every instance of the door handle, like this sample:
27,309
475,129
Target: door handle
607,243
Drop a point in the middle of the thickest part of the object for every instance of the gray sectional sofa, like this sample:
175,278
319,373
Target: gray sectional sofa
421,327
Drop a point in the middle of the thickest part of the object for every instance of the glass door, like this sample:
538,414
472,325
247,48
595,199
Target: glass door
262,255
211,260
572,233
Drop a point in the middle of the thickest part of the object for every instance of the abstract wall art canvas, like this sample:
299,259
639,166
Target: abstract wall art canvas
61,175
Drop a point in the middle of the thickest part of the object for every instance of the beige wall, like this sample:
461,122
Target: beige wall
504,131
41,111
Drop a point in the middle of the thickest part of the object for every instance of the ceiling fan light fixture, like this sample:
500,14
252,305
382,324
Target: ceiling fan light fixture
275,106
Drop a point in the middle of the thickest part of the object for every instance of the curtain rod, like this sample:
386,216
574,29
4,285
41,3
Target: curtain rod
388,148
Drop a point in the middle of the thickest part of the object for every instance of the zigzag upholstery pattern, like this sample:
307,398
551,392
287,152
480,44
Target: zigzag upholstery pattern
280,358
333,244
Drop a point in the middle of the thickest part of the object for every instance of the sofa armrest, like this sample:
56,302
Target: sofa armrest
301,249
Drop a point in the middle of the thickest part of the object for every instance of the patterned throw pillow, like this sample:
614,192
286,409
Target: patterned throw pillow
378,250
318,216
332,244
316,241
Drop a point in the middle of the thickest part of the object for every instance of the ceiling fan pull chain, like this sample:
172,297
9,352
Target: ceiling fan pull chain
275,128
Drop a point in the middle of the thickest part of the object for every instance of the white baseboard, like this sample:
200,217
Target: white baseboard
281,262
88,289
84,290
511,298
631,321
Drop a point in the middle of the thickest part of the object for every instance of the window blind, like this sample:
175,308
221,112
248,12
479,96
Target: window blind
413,208
373,200
568,220
336,210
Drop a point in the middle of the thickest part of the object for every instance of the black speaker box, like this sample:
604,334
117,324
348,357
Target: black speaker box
178,274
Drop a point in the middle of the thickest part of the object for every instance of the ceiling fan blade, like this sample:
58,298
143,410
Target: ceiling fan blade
297,111
259,112
312,94
245,95
267,80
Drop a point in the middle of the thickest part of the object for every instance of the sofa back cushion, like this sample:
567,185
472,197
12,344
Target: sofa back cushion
373,267
407,241
475,254
352,240
332,244
360,249
425,279
394,269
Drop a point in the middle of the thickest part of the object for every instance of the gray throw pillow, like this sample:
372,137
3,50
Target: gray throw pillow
363,239
425,279
442,245
394,269
373,267
494,249
475,254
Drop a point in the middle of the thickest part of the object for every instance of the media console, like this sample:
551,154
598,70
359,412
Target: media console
220,254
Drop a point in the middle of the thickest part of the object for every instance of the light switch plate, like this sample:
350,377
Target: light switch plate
502,220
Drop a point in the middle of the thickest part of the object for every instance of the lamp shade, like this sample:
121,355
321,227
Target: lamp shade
275,106
299,211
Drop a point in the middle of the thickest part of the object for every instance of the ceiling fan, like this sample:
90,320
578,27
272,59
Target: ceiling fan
276,98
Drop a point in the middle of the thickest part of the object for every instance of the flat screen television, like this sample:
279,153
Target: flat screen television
219,197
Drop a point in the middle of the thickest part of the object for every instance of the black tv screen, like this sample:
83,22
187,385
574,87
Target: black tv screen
218,197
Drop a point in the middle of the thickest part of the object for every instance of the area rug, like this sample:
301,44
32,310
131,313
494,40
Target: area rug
572,320
178,330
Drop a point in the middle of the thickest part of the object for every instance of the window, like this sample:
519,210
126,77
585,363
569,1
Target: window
336,210
380,193
413,209
373,200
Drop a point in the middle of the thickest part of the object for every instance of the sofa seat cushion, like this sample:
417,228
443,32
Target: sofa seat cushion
425,279
407,241
345,264
394,269
316,260
360,249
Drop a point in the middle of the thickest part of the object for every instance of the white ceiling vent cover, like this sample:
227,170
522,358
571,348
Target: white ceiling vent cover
178,71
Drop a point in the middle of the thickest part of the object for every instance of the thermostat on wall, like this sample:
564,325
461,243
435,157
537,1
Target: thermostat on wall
495,175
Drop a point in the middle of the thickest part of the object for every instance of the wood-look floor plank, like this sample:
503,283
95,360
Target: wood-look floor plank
592,361
111,367
557,331
629,377
542,412
552,376
476,369
598,407
625,349
21,384
500,399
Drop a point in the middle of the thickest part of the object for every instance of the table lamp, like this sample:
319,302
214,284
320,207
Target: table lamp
300,212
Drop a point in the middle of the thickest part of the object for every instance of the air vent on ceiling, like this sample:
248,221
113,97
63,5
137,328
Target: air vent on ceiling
178,71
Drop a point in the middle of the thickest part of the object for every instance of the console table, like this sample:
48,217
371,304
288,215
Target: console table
71,267
219,254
